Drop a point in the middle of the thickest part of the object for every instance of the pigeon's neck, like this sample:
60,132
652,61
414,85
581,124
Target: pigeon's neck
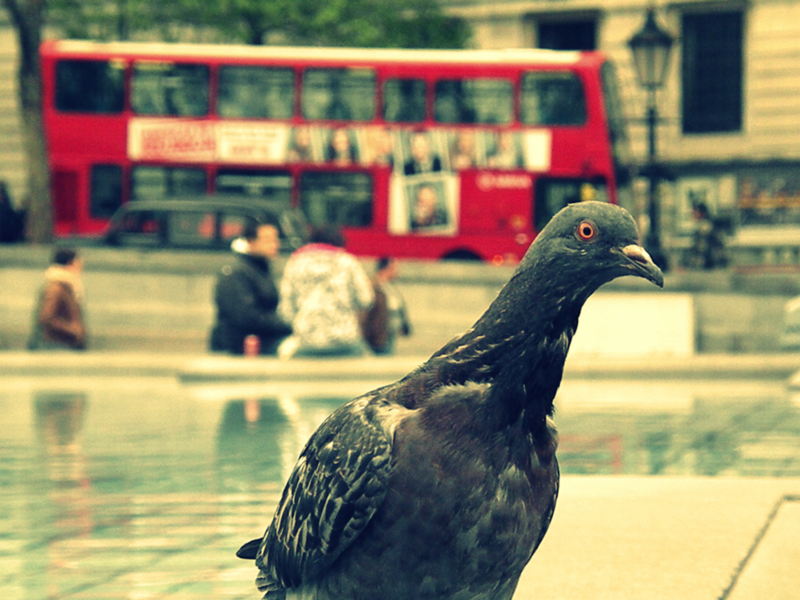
519,345
509,345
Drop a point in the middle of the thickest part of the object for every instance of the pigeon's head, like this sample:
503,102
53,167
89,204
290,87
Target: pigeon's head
591,243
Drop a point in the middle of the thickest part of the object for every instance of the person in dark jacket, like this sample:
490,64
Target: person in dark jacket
12,221
246,296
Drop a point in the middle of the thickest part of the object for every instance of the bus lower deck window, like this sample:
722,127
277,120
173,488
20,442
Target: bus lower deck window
162,182
105,190
336,198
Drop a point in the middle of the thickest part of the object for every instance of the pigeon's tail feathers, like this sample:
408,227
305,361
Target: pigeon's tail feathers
249,550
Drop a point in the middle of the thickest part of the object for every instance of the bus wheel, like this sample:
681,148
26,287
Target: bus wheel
461,255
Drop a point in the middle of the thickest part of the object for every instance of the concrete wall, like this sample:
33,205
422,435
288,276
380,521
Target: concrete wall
140,300
160,301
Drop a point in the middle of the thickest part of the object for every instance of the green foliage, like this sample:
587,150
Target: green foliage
365,23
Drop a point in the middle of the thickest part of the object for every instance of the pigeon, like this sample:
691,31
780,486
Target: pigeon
442,485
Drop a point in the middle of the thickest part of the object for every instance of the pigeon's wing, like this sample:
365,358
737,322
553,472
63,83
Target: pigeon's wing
338,483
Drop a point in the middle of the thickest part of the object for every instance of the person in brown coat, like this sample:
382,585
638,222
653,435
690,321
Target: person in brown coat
58,317
387,318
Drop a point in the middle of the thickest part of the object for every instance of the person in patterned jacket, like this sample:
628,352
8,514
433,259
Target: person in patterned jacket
324,294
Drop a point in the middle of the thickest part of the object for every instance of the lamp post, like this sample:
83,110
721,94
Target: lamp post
651,47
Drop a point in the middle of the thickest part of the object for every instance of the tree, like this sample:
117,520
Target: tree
365,23
27,17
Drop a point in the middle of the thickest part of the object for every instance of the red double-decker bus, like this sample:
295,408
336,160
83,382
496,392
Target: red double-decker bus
427,154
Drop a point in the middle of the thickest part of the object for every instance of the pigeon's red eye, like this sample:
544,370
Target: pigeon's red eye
586,230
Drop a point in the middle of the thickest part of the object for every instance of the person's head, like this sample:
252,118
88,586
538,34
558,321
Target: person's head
465,141
505,140
340,141
386,268
262,239
67,258
425,204
302,137
700,210
420,146
327,234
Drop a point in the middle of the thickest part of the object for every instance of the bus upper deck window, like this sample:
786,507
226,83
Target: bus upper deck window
339,94
179,90
255,92
90,86
552,98
473,101
404,100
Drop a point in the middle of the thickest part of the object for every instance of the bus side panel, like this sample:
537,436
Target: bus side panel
496,202
380,198
77,135
64,190
489,247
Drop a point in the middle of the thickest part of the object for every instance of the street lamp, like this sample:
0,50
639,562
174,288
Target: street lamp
651,47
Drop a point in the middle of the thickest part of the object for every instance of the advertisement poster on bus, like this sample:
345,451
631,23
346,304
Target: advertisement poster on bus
425,162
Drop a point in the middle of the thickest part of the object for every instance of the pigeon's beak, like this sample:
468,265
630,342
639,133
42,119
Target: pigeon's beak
642,264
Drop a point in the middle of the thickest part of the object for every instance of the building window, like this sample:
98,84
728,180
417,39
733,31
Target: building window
577,34
712,72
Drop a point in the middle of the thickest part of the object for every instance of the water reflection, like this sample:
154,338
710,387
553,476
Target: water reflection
59,420
698,428
250,439
119,488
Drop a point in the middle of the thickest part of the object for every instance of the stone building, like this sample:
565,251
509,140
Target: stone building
729,109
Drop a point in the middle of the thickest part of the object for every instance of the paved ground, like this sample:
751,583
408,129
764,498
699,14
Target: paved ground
668,538
616,537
